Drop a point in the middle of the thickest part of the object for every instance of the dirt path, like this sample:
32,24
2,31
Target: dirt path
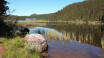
2,50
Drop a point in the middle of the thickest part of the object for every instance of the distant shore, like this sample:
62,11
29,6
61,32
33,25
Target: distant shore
30,23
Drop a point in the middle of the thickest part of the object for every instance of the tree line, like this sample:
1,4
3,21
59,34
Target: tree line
88,10
4,27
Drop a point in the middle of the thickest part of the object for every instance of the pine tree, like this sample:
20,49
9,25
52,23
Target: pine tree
3,8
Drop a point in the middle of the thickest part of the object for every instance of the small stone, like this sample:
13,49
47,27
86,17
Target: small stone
44,54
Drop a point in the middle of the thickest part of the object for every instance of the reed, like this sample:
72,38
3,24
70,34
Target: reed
54,35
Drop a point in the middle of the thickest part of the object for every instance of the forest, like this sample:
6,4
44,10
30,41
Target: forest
88,10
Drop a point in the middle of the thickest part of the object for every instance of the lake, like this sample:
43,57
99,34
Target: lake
31,21
67,40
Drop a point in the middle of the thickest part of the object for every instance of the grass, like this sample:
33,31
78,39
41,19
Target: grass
55,35
80,22
17,49
28,24
102,42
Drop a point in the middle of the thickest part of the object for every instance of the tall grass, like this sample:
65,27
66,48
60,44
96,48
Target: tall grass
30,24
85,38
17,49
102,42
55,35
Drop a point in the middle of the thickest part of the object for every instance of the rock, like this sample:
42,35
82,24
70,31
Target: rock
36,42
20,30
44,54
1,41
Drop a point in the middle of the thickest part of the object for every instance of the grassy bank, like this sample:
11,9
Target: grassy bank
85,22
28,24
15,48
42,24
77,22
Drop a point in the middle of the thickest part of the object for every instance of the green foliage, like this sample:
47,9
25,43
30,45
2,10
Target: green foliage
3,7
17,49
89,10
42,16
14,18
4,27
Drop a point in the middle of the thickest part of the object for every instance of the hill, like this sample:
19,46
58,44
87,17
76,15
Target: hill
15,17
42,16
88,10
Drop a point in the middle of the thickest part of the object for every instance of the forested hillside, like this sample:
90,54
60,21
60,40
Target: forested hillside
38,16
88,10
42,16
14,17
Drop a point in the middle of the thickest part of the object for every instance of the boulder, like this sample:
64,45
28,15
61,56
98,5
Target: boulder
20,30
36,42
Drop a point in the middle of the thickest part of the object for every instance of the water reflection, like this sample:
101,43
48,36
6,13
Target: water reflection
74,41
85,38
47,32
73,49
90,34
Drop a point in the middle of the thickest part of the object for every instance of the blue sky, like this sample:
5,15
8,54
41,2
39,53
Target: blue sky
28,7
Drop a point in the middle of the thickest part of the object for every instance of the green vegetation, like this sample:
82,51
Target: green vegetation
5,27
42,16
102,43
55,35
16,49
89,10
91,34
84,12
14,17
29,24
14,46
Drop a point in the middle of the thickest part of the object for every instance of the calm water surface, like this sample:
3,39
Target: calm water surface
73,41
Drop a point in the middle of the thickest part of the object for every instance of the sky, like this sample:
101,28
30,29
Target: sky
28,7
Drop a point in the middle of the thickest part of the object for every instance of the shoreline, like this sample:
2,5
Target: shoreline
29,24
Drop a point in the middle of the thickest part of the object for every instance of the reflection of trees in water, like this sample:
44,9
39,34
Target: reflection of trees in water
85,38
91,34
102,41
